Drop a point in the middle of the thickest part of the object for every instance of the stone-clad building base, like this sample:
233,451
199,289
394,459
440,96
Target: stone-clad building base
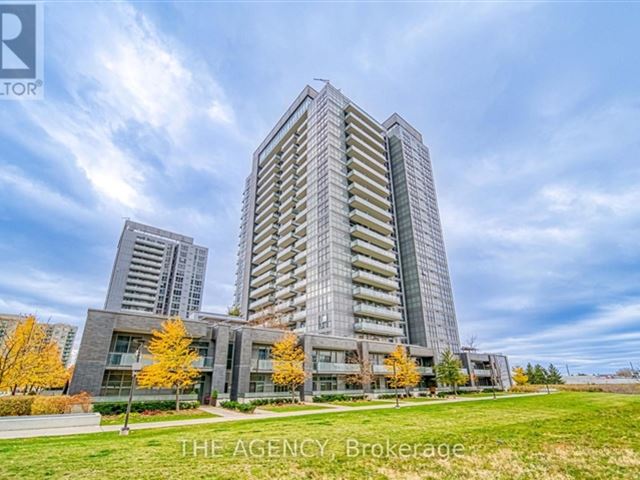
235,360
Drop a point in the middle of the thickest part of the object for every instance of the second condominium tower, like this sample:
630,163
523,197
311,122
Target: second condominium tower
341,233
157,271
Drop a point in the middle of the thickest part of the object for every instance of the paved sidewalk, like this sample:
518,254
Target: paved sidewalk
233,416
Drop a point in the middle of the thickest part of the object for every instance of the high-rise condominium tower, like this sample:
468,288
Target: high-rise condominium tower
156,271
341,233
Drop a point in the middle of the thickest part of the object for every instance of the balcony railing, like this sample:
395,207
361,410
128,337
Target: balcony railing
258,365
377,312
371,222
117,359
384,269
373,328
323,367
368,278
381,254
376,296
364,233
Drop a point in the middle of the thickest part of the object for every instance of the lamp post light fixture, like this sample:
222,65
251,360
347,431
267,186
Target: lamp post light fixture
395,378
135,368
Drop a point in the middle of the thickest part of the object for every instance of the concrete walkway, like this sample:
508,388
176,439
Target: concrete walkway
224,415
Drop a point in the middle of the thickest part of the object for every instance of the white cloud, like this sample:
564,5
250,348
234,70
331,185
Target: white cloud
133,93
46,286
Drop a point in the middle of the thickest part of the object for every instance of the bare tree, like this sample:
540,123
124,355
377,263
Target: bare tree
364,376
471,344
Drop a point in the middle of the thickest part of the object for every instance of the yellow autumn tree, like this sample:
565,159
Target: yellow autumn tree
29,361
288,363
173,359
519,376
14,350
402,370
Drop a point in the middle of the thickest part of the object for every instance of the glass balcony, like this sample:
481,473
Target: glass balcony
367,278
381,369
117,359
287,240
261,303
263,267
262,291
264,255
353,113
364,233
286,306
372,328
270,220
286,266
362,191
378,188
285,279
266,243
374,142
301,258
367,310
365,206
262,279
366,248
286,292
324,367
266,212
258,365
300,272
299,316
377,296
287,253
357,216
263,234
368,263
299,300
364,169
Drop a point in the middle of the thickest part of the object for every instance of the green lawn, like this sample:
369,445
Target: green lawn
362,403
291,408
559,436
160,417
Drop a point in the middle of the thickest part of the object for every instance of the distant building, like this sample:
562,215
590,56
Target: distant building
157,271
61,333
64,335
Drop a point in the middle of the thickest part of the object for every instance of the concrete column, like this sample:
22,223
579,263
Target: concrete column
307,389
241,364
220,353
93,353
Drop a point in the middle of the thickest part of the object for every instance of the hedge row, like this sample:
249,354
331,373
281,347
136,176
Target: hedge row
240,407
116,408
337,397
271,401
43,405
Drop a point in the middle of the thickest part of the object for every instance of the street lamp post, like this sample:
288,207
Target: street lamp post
135,368
395,382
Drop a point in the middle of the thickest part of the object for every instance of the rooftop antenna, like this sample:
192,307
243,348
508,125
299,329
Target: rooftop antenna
325,80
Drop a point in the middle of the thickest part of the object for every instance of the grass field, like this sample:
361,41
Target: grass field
291,408
160,417
557,437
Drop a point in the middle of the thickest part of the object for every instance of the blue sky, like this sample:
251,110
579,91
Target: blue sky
531,111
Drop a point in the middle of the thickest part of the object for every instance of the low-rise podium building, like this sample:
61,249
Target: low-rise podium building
235,359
